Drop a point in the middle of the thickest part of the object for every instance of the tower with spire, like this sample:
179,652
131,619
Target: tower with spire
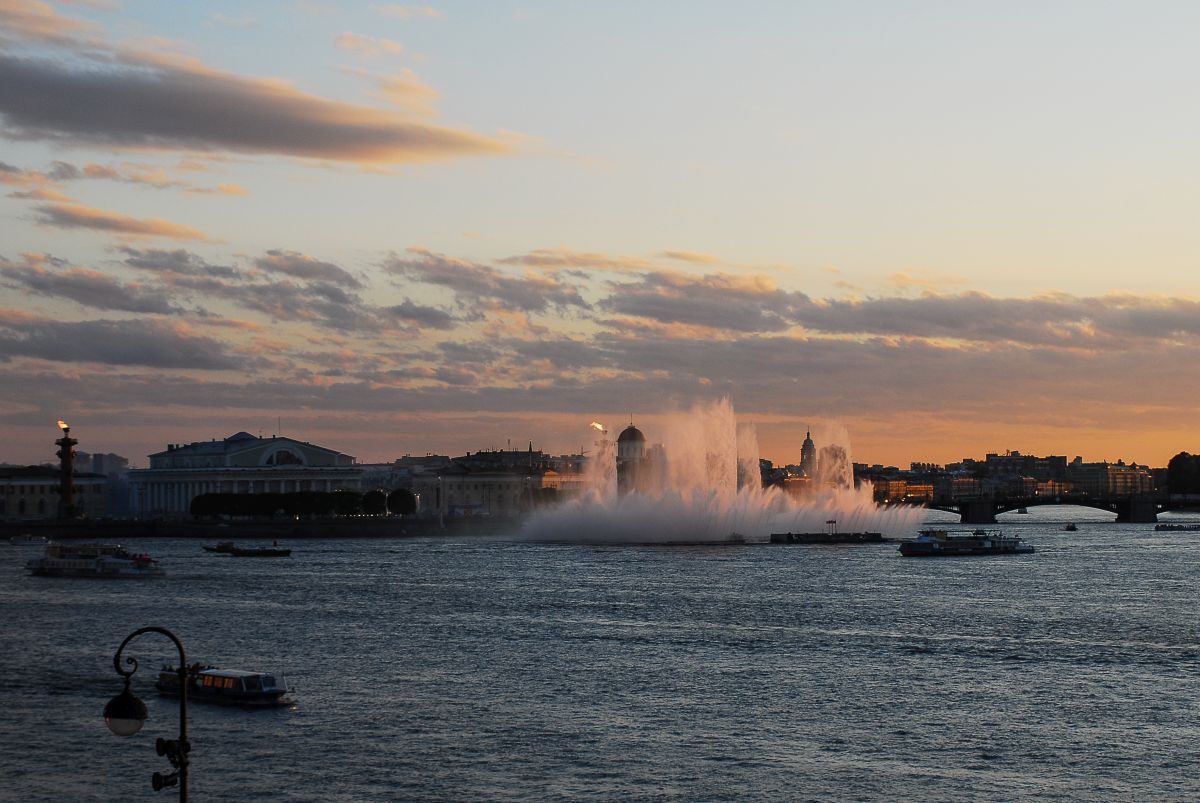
808,456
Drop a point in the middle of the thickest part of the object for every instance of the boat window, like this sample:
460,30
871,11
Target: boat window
252,684
268,681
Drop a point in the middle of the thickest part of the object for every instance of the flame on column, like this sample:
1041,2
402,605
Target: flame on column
63,425
598,426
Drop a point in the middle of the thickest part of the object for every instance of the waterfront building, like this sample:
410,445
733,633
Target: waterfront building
460,492
1109,479
239,464
32,493
567,475
492,483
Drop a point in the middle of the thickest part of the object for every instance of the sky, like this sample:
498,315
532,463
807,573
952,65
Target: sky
945,228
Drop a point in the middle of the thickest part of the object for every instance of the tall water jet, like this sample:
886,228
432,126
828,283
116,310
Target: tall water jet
703,486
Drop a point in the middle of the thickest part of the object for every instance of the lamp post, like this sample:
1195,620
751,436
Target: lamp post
125,714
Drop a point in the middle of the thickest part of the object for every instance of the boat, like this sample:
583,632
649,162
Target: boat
27,538
93,560
830,536
1175,528
940,543
1022,510
230,548
208,684
259,552
1070,527
827,538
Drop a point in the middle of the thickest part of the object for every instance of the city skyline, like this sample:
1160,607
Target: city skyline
791,461
400,228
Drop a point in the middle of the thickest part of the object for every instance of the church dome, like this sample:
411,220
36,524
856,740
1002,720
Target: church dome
631,434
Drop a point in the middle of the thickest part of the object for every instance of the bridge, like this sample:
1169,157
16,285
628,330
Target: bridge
1130,508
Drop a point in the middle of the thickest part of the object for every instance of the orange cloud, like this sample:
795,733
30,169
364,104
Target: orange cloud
368,45
566,258
927,282
31,19
78,216
220,189
406,90
691,256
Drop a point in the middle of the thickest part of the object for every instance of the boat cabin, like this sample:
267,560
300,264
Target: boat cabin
234,681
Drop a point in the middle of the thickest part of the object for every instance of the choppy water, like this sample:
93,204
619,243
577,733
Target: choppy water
485,669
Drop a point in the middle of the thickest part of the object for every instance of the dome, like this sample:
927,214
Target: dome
631,434
808,442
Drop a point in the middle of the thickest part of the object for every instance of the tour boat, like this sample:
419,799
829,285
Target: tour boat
208,684
939,543
222,546
93,560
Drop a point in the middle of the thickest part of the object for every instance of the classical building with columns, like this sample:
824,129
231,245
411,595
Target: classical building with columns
242,464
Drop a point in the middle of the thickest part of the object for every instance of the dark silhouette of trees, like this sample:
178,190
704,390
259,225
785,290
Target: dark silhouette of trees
305,504
374,503
1183,474
401,502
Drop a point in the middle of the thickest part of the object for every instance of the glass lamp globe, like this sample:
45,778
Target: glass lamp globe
125,714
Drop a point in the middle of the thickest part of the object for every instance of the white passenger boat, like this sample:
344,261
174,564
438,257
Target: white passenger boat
240,687
94,560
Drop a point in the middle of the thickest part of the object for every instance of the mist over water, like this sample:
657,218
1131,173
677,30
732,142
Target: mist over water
697,496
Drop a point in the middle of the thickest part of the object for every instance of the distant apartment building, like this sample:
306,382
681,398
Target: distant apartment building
1052,488
1109,479
31,493
239,464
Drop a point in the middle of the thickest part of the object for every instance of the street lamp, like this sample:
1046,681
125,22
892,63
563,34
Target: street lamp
125,714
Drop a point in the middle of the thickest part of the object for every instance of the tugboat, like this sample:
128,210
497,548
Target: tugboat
93,560
939,543
208,684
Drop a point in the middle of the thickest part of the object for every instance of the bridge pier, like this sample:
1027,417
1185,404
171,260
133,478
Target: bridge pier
980,511
1137,510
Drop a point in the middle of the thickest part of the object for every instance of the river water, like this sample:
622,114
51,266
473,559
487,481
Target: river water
482,668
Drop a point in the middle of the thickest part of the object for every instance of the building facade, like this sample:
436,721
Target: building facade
239,464
32,493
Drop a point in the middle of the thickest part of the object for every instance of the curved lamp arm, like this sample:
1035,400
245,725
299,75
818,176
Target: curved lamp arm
178,755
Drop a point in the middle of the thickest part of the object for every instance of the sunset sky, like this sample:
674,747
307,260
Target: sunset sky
948,228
